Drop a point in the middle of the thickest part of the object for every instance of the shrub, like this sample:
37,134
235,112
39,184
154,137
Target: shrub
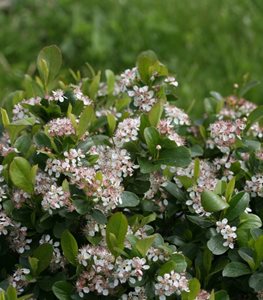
108,190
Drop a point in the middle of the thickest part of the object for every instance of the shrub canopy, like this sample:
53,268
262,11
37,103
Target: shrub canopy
108,190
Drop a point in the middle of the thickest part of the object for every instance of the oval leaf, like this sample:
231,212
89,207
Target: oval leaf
212,202
48,63
21,176
129,199
63,290
44,254
116,231
236,269
69,247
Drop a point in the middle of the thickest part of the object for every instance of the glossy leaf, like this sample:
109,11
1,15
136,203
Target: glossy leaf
116,231
144,61
215,245
152,138
155,113
69,246
48,63
236,269
143,245
63,290
129,199
44,255
237,205
20,173
212,202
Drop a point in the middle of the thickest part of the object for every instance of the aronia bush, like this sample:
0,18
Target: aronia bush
110,191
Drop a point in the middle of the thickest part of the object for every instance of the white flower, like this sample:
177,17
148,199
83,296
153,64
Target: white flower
58,95
143,97
228,233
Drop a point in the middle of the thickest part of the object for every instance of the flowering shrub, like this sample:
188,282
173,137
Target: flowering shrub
108,190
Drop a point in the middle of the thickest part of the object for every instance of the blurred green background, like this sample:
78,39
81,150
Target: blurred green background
209,44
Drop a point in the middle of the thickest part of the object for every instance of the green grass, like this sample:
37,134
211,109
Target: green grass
209,44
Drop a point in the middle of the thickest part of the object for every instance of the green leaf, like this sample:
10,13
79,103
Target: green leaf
215,245
258,247
83,206
255,116
129,199
11,293
21,176
236,269
247,255
180,263
220,187
33,262
167,267
94,86
152,138
200,221
148,219
147,166
230,189
14,130
177,156
196,168
2,295
23,143
194,287
221,295
155,113
173,189
86,119
5,118
110,81
248,87
44,254
111,123
186,181
144,61
69,246
99,217
116,231
143,245
248,221
237,205
256,281
42,140
48,63
63,290
212,202
196,150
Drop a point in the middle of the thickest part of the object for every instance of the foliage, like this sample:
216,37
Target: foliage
205,42
108,190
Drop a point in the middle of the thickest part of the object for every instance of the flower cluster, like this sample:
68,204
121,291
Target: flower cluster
143,98
56,198
18,280
127,131
60,127
224,134
106,273
227,232
255,185
171,283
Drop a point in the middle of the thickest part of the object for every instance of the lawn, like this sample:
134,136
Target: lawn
210,45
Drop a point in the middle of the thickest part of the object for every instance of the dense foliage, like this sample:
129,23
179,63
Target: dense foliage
109,191
209,44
